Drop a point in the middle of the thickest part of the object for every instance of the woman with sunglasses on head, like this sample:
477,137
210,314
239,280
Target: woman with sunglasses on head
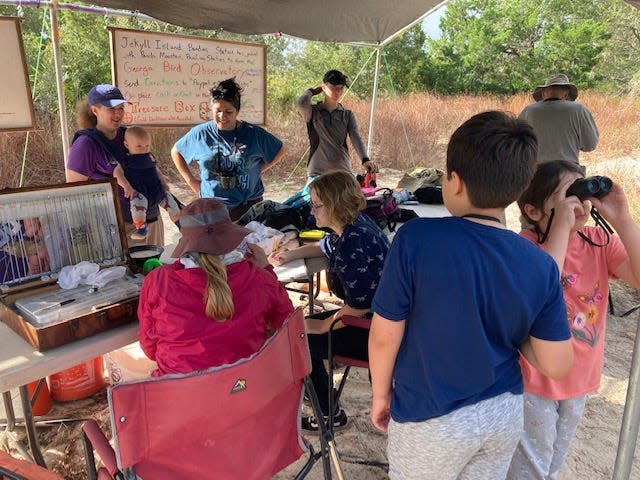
231,154
355,251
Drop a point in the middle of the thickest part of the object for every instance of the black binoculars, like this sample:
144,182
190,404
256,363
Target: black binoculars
596,186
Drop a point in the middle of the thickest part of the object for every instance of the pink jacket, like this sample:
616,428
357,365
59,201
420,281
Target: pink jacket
175,332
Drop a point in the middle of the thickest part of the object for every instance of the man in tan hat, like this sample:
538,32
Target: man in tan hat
563,126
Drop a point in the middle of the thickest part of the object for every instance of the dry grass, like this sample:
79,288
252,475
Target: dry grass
410,131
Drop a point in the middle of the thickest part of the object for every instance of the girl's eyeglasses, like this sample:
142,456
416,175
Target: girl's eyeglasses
316,206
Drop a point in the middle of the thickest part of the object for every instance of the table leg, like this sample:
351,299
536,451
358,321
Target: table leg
310,279
30,427
8,408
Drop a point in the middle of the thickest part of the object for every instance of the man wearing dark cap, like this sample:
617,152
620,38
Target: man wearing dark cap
563,126
328,124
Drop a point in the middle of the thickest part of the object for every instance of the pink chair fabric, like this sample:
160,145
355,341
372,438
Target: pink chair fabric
229,422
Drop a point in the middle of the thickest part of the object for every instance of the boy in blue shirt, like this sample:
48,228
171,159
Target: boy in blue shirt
459,300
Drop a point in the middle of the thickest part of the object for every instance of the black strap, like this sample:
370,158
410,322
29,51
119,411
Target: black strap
600,222
99,137
482,217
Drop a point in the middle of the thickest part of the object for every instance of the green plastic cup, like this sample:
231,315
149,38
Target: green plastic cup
150,264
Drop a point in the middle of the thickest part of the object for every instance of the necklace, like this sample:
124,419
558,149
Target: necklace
482,217
231,149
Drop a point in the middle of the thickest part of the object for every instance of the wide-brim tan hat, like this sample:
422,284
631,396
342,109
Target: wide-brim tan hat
206,228
560,80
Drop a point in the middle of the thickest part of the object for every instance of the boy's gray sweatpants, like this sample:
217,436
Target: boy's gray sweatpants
475,442
549,428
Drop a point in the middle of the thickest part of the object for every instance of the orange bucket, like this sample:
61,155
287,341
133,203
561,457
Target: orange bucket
42,405
78,382
323,282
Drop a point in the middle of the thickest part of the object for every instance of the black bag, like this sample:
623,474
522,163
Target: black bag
296,216
383,209
430,194
407,214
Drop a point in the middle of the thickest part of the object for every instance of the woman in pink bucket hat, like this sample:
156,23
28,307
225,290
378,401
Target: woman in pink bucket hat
206,309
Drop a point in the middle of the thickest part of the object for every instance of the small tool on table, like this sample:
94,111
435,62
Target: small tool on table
54,305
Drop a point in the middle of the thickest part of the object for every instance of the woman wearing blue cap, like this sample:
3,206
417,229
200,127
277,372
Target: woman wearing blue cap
99,147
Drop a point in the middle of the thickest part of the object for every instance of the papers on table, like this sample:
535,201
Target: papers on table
293,270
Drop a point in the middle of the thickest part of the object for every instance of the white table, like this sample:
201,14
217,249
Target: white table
303,270
427,211
21,364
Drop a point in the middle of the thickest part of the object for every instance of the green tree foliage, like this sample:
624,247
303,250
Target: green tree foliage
619,66
404,58
506,46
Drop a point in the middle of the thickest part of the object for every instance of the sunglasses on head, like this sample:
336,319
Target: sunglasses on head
217,94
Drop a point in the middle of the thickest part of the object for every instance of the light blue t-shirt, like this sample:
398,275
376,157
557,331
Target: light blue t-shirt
239,153
470,295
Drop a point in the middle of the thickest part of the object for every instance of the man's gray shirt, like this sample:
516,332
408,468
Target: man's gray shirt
564,128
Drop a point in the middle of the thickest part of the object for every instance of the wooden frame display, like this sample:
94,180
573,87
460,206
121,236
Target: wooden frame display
16,104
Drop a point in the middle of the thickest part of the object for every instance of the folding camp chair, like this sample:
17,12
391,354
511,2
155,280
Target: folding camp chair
347,362
14,469
239,421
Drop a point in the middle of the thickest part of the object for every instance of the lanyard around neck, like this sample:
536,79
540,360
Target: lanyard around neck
482,217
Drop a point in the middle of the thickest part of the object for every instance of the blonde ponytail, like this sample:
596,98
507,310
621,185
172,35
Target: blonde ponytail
219,299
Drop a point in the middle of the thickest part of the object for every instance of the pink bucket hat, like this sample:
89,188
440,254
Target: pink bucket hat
206,228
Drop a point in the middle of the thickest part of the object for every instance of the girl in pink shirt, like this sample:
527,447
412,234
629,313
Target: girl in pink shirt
587,257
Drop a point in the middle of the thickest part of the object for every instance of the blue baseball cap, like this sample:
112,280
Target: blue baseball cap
105,94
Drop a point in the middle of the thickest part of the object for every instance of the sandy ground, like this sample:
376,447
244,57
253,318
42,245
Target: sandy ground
361,447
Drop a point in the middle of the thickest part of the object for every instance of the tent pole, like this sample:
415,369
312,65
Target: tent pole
374,96
57,60
630,418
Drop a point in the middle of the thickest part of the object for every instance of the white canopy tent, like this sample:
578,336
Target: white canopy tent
367,23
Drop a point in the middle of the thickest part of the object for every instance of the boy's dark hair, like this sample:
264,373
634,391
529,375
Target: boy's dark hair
545,181
495,154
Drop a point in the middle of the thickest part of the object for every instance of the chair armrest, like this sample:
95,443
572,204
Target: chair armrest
359,322
101,445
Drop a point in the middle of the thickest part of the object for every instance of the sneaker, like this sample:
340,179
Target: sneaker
139,234
310,423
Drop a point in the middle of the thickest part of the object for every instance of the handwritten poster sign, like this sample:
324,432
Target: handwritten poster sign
167,77
16,106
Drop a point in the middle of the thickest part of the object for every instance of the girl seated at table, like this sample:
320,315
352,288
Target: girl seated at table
356,251
214,306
